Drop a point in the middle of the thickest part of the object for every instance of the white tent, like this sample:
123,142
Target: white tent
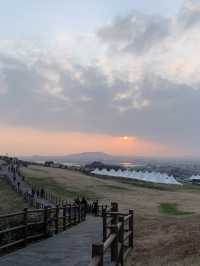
143,176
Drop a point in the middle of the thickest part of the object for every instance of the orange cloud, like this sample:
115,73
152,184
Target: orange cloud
24,141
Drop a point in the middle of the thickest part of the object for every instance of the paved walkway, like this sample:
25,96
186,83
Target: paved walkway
24,187
70,248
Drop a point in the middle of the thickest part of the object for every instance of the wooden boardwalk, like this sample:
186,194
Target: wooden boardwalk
70,248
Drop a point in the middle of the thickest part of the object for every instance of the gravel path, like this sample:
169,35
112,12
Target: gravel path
70,248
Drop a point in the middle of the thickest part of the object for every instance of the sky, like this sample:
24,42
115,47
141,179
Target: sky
79,75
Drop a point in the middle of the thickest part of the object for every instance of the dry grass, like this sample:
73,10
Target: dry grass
160,239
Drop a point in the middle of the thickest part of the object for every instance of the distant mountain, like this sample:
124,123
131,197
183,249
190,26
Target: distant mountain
83,158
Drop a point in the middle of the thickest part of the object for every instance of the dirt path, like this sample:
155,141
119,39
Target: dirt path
70,248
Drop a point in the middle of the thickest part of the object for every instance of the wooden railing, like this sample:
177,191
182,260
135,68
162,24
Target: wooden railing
46,194
118,236
27,225
101,208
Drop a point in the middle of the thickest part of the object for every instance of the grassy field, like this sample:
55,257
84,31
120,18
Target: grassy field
167,217
9,199
172,209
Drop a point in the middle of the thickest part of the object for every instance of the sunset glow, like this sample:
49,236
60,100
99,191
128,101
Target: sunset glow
25,141
121,79
125,138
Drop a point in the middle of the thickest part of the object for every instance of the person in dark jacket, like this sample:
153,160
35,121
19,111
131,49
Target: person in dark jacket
95,207
84,203
18,186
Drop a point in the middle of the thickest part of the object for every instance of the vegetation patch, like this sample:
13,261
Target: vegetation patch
114,187
40,180
172,209
10,201
144,184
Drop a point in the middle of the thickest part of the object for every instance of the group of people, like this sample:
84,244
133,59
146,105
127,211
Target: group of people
90,208
15,170
39,193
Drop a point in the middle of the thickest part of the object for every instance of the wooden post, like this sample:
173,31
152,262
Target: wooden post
114,219
74,213
114,246
98,251
57,219
79,213
82,212
114,207
104,225
121,240
25,225
131,228
64,217
45,221
102,210
69,214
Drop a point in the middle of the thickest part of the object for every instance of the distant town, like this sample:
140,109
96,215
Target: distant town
181,169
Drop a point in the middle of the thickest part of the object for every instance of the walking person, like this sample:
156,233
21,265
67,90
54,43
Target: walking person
95,208
18,186
84,203
14,177
33,193
42,193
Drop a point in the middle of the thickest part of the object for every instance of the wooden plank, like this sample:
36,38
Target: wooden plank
126,253
95,261
25,221
36,211
11,215
14,243
35,224
131,212
127,235
35,236
109,241
98,254
8,230
114,245
57,219
45,223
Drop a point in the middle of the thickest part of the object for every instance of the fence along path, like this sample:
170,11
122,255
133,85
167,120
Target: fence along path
22,227
25,189
74,249
118,236
71,248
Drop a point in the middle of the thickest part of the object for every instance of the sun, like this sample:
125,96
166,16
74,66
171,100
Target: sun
125,138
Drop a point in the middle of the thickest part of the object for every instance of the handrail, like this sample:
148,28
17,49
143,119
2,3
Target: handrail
41,222
114,225
117,213
116,239
8,230
109,241
11,215
127,217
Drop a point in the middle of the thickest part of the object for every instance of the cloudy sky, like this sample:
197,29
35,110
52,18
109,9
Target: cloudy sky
79,75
